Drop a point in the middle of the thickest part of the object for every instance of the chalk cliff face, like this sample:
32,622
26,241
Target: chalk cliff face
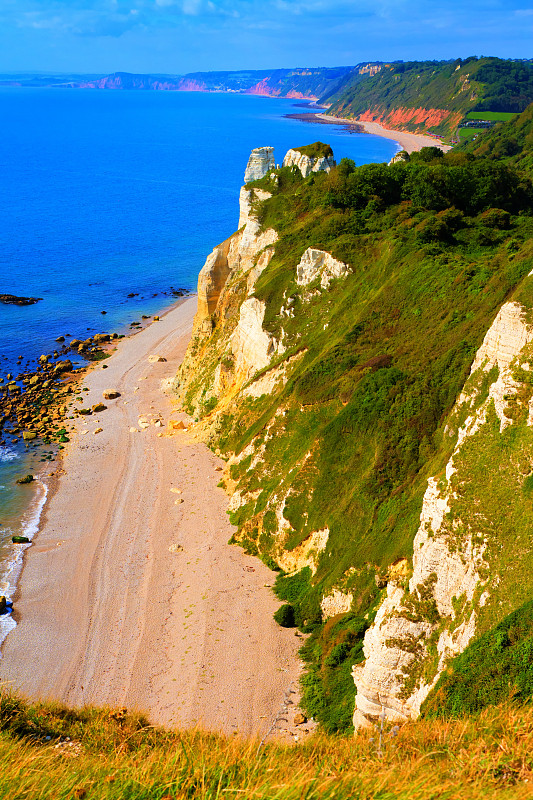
319,264
307,164
419,627
260,163
305,352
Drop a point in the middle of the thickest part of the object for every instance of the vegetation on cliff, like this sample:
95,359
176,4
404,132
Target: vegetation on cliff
375,362
48,751
435,95
494,668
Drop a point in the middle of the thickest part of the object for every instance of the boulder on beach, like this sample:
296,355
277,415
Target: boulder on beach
155,358
28,436
63,366
177,426
98,407
25,479
20,540
111,394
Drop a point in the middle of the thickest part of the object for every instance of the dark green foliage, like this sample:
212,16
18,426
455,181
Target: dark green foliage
328,688
494,668
315,150
297,591
284,616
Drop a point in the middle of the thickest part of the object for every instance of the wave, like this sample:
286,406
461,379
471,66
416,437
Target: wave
7,454
12,568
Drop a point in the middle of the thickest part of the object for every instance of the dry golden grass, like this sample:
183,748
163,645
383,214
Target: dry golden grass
116,755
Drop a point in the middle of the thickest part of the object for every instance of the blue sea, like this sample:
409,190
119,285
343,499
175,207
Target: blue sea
111,193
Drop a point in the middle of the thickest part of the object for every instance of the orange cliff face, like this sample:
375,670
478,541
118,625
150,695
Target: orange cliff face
423,118
263,88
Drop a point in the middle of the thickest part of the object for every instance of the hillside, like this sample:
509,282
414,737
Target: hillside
435,95
360,358
511,142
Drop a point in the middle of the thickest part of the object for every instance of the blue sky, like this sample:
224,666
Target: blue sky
177,36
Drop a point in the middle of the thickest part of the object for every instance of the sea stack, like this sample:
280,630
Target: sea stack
260,162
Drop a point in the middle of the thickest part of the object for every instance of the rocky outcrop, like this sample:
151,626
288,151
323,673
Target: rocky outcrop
420,627
260,163
251,346
319,264
336,603
246,198
307,164
238,253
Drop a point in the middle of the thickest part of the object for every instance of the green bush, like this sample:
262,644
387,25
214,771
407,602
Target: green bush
284,616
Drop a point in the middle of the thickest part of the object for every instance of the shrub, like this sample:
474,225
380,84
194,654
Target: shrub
284,616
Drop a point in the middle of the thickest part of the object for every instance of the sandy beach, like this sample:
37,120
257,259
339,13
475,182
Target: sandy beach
411,142
130,595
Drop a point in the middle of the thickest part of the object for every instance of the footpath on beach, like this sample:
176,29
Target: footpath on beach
130,595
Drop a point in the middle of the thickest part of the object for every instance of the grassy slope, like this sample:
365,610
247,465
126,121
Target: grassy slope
458,87
385,353
493,668
49,752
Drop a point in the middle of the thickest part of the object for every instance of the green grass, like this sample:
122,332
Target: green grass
491,116
48,752
467,134
494,668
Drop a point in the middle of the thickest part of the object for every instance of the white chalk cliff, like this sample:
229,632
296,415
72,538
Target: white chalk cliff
260,163
415,632
319,264
307,164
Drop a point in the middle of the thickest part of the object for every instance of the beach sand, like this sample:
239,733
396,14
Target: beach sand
131,598
411,142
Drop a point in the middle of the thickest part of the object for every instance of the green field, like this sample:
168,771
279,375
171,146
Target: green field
491,116
467,134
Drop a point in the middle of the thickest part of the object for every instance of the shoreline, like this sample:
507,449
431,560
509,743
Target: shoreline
410,142
130,594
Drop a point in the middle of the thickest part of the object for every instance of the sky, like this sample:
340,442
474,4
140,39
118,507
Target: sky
180,36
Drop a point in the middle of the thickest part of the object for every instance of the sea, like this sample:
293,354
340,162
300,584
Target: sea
110,202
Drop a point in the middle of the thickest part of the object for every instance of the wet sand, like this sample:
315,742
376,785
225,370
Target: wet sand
130,597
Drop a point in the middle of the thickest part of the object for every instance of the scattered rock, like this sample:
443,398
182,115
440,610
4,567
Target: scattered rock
98,430
98,407
177,426
13,300
178,502
175,548
111,394
63,366
299,718
155,358
3,603
133,430
84,411
176,491
29,435
25,479
143,422
60,339
158,423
